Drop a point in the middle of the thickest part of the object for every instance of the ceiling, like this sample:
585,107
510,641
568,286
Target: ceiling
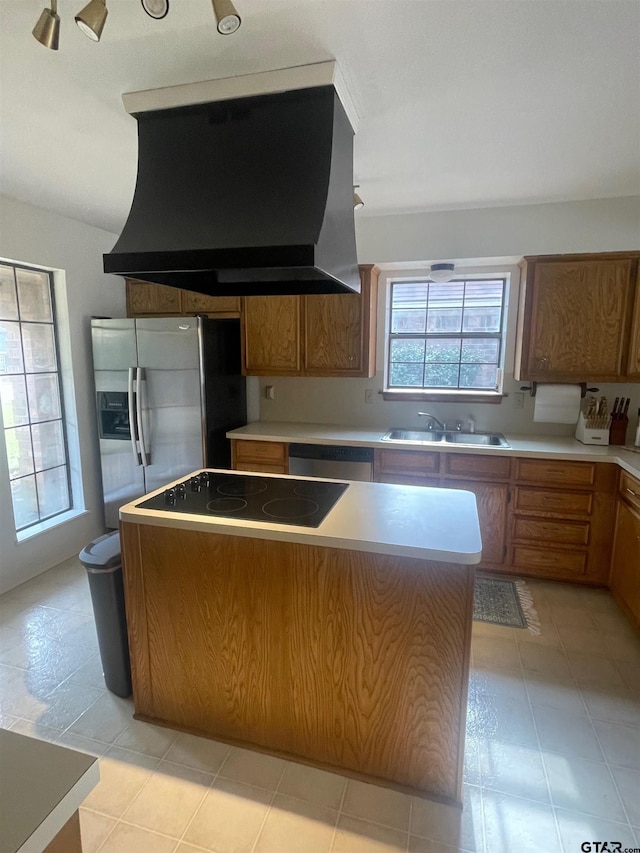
461,103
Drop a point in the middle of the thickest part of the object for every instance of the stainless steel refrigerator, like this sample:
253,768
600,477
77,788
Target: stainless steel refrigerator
167,391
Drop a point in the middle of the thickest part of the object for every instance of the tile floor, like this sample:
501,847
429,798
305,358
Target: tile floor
552,755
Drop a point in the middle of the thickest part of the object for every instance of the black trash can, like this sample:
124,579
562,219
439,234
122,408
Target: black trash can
101,558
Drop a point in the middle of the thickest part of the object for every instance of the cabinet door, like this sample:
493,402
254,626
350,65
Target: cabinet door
633,367
492,500
271,335
199,303
625,564
575,321
340,330
144,299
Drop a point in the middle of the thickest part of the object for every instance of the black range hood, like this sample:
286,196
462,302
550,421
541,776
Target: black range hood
244,196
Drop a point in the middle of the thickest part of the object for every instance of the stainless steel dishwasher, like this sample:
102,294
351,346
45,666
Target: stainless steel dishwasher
336,462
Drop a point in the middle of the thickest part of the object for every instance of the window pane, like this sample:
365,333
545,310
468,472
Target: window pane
53,491
44,397
25,504
34,295
482,319
446,349
8,300
441,375
405,375
13,396
10,348
39,348
408,320
478,375
483,293
48,445
480,350
444,320
18,441
407,350
447,295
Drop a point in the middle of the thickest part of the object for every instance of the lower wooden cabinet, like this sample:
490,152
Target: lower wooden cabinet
542,518
268,457
470,472
625,559
561,519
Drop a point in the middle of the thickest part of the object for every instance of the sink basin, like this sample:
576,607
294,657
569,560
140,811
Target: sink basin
486,439
468,439
413,435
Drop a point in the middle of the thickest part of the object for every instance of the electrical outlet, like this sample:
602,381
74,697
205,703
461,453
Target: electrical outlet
269,392
518,400
368,395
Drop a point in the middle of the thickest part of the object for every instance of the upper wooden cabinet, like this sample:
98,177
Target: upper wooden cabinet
575,320
333,335
271,335
148,300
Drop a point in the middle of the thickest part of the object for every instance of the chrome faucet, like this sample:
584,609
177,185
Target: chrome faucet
433,420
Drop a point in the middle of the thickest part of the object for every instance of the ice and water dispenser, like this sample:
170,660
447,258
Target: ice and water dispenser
113,415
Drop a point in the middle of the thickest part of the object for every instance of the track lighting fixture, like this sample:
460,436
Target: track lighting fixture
91,19
358,204
47,30
226,16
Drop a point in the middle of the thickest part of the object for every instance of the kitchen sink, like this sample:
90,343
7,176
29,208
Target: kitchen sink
484,439
468,439
413,435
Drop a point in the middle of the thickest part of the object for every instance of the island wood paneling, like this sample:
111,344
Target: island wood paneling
351,661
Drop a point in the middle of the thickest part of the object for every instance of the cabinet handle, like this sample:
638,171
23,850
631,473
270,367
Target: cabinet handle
631,492
543,363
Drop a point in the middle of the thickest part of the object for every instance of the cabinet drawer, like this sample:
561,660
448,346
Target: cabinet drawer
262,467
561,473
550,501
469,465
547,530
630,489
261,451
411,463
548,562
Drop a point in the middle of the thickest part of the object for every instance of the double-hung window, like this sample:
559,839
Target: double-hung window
30,393
446,336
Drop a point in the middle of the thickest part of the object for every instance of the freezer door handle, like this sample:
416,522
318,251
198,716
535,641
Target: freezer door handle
133,423
139,391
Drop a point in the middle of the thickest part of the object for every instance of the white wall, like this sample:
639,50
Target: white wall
493,238
35,236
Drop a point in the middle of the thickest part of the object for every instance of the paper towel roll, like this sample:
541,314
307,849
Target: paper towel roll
557,404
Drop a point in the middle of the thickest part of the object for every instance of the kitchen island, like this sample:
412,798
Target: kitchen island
345,645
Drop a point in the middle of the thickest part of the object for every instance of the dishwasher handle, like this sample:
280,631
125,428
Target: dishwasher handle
331,452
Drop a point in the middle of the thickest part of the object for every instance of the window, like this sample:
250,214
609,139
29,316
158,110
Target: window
446,336
30,393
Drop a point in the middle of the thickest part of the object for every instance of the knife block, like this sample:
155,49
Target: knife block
587,433
618,430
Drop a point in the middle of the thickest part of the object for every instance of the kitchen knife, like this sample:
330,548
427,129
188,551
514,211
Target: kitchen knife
615,407
626,407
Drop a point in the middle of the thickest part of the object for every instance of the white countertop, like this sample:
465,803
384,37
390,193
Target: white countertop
405,521
544,448
41,786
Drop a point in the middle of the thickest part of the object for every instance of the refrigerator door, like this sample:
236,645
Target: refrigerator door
170,402
114,359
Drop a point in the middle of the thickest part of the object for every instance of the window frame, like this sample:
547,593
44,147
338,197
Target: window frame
42,521
443,394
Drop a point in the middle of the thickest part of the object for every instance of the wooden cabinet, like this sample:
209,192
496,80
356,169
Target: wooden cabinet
540,517
633,365
269,457
332,335
561,519
457,471
151,300
575,318
625,559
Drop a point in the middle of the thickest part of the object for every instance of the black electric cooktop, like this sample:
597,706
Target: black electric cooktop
304,503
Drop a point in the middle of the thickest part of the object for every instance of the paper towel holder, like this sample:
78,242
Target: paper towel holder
583,388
